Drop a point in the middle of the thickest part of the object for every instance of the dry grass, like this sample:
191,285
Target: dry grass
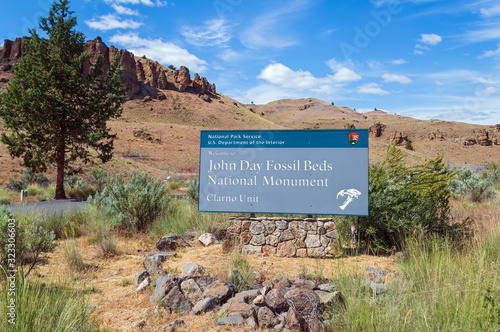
118,307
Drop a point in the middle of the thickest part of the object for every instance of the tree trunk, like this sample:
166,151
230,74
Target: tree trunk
60,194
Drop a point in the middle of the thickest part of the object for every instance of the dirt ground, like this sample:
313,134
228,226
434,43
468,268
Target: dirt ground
118,306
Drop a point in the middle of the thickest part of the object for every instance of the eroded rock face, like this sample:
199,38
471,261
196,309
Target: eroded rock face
141,76
399,138
376,130
182,76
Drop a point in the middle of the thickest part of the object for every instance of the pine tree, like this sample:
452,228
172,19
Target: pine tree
53,113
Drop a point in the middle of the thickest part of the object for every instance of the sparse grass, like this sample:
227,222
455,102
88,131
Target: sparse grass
173,185
239,272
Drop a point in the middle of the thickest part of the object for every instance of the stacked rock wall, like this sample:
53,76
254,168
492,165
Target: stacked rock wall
285,237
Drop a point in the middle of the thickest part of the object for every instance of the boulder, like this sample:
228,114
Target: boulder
305,301
143,285
276,300
153,261
192,269
208,239
176,301
163,285
295,320
231,320
204,305
140,276
191,290
171,242
220,291
267,318
174,326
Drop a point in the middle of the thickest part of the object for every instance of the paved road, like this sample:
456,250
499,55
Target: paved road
48,207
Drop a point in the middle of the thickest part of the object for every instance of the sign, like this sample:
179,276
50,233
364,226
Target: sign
284,171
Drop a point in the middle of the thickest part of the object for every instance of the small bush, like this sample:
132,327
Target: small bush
5,200
27,178
134,205
475,187
173,185
404,200
193,191
32,241
409,146
98,178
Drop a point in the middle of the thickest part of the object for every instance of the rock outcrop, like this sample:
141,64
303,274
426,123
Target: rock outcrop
399,138
376,130
482,137
142,76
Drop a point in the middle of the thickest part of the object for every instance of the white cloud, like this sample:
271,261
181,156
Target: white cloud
268,30
163,52
418,52
399,61
149,3
430,39
490,32
388,78
342,72
124,10
372,88
110,22
492,11
487,54
215,32
487,91
285,77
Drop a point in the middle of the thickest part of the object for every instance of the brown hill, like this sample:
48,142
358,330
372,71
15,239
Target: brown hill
461,143
160,125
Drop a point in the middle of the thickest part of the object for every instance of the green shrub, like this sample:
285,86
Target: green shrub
134,205
98,178
409,146
193,190
404,200
475,187
27,178
32,241
173,185
5,200
64,225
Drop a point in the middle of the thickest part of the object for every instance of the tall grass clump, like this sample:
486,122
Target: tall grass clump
74,256
46,307
403,200
193,191
181,215
239,272
437,288
133,205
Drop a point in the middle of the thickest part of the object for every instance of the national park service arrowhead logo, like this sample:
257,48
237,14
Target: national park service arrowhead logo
353,138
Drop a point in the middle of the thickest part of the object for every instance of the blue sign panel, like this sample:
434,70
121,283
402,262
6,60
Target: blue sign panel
284,171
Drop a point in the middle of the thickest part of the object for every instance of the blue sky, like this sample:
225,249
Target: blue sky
428,59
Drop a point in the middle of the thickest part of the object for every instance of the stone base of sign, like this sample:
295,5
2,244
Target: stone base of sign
285,237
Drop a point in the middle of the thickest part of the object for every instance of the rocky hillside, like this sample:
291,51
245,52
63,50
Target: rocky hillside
143,77
160,125
461,143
